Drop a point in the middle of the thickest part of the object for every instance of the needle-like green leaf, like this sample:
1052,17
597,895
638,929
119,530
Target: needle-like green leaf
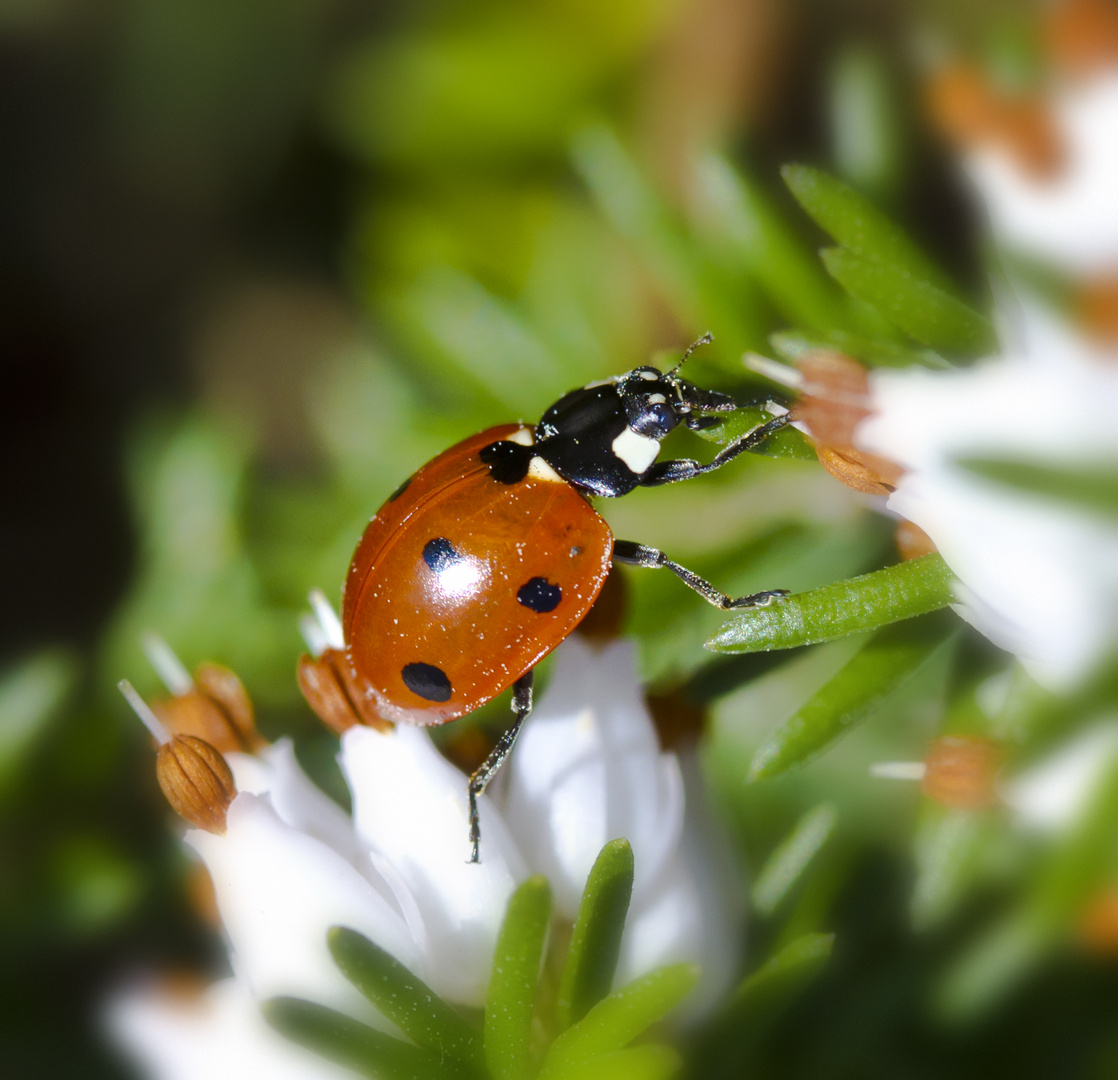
919,308
409,1003
845,607
792,967
887,660
355,1045
596,941
618,1019
512,986
859,226
649,1061
791,858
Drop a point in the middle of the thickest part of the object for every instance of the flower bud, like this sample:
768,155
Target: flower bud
835,399
216,708
974,113
911,540
604,620
961,772
196,781
334,694
1098,924
680,721
1082,35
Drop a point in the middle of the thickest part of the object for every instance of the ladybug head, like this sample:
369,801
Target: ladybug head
655,402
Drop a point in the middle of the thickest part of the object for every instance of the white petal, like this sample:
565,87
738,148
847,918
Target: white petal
694,913
588,769
1071,220
278,892
409,805
1038,577
1053,794
220,1036
275,771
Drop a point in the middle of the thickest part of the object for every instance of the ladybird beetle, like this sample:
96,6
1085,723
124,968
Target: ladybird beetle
490,555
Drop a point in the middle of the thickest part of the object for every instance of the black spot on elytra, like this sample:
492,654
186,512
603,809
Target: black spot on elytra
426,680
400,490
539,595
439,553
508,461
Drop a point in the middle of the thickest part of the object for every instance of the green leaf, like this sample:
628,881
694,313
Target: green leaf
512,986
409,1003
31,693
1090,487
790,969
618,1019
596,941
930,315
947,848
793,344
887,660
859,226
650,1061
355,1045
847,607
786,864
787,442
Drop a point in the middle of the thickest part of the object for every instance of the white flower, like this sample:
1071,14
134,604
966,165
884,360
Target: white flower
1069,220
1038,576
291,864
588,769
1052,795
220,1035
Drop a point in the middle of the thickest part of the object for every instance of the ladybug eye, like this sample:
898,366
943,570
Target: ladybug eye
653,418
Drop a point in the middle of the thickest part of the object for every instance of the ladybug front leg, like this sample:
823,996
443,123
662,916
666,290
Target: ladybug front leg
522,706
669,472
626,551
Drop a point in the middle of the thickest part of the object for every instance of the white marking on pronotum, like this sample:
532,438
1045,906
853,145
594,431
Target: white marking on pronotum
657,399
524,437
651,376
538,469
635,450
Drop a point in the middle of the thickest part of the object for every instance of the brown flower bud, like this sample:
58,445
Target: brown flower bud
334,693
912,541
835,399
961,770
973,112
679,720
216,708
1082,35
604,620
1098,924
1096,307
196,780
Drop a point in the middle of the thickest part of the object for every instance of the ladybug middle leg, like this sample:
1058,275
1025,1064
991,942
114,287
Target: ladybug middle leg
522,706
632,554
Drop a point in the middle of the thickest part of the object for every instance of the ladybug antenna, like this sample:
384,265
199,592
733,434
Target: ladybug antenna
706,339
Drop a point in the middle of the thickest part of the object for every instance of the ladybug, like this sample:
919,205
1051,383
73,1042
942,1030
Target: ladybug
487,557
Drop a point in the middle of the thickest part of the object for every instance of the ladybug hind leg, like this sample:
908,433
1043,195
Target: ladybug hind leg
626,551
479,781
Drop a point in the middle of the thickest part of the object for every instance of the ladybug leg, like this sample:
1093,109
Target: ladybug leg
625,551
669,472
522,706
